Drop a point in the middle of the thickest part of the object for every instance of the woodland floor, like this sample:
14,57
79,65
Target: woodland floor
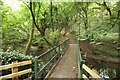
92,55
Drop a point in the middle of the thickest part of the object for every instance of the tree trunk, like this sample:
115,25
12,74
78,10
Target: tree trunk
119,37
107,8
86,19
51,16
119,30
34,21
28,46
30,40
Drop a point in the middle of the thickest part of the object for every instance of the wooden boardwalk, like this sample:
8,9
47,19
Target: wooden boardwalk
67,66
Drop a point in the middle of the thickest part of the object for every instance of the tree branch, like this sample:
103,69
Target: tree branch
37,25
25,4
106,7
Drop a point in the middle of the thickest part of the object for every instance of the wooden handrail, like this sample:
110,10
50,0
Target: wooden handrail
14,66
92,73
4,67
16,74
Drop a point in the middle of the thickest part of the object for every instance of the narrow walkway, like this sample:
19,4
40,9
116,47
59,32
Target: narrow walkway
67,67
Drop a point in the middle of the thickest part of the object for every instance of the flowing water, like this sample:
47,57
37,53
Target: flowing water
108,71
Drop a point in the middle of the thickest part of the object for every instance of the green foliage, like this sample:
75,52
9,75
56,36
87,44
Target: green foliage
107,52
37,39
8,57
12,26
109,38
53,37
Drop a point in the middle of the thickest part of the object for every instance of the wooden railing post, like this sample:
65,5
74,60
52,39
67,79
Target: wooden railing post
14,69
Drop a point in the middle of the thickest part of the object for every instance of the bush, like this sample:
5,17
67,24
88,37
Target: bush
9,57
53,37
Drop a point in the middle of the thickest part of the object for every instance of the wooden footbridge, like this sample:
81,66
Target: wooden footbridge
63,61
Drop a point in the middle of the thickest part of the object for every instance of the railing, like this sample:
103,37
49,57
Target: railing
47,61
83,68
80,61
14,66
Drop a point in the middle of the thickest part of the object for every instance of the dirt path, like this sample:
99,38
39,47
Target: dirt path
67,67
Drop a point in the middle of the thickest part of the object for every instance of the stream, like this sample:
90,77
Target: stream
108,71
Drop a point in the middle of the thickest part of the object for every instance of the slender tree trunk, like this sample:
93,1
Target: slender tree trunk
30,40
119,30
86,19
86,22
51,16
107,8
119,37
28,46
79,30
